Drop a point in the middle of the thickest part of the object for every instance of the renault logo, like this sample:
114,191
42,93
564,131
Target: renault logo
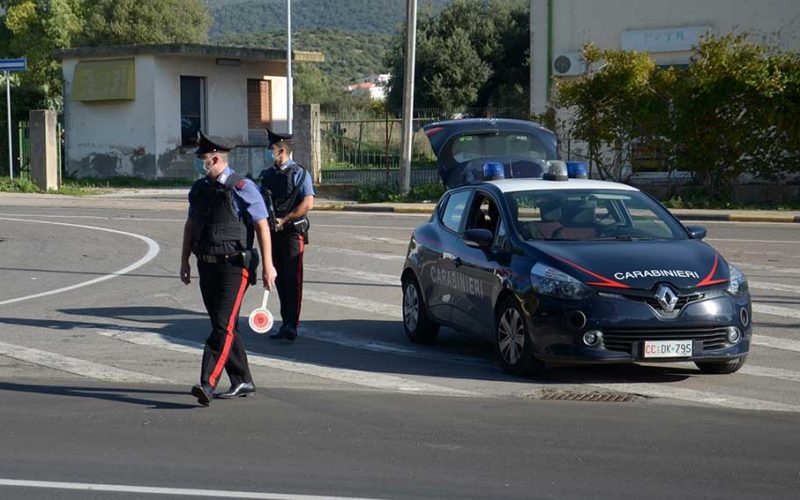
667,298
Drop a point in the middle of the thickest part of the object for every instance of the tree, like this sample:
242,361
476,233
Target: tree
473,53
35,28
123,22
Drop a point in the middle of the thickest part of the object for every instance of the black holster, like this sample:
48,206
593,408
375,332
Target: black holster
250,261
301,226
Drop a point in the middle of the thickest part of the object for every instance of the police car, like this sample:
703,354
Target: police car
563,270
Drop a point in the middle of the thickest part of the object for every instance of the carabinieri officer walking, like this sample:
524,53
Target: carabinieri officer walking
287,187
225,212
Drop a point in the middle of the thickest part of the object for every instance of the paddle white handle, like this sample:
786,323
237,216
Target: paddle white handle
266,297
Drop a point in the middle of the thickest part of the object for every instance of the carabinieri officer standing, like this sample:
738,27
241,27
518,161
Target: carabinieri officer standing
289,188
225,212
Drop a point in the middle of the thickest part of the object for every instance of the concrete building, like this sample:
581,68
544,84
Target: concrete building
665,29
135,110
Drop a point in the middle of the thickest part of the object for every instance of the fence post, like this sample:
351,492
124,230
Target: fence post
43,140
307,146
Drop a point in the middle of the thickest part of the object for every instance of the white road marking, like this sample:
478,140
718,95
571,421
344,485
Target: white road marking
784,312
353,303
76,366
763,267
776,373
711,398
740,240
152,251
774,287
357,253
150,490
376,239
384,279
94,217
356,377
776,343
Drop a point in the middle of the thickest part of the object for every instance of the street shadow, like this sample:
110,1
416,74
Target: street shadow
119,395
364,345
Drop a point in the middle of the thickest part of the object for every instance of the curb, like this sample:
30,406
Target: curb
428,209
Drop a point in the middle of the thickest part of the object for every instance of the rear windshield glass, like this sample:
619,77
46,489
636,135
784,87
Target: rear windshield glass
518,145
591,215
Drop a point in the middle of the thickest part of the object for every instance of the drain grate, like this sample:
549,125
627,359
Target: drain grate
602,397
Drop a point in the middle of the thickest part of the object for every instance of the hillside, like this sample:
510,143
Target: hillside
347,55
361,16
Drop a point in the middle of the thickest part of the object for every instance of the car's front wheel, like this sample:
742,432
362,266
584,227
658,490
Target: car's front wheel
721,367
419,328
513,343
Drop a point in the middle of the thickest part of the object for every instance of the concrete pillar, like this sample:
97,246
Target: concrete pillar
307,148
540,60
43,141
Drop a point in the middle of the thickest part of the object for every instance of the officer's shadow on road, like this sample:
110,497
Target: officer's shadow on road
119,395
364,345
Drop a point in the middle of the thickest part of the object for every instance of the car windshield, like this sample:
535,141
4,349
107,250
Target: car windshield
470,147
612,215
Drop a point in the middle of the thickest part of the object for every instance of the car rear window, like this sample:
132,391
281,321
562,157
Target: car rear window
470,147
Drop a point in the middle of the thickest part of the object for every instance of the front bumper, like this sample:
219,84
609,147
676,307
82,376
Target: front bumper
626,323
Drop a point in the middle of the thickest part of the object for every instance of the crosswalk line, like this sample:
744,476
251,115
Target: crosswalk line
783,312
356,377
353,303
383,279
695,396
356,253
776,343
774,287
76,366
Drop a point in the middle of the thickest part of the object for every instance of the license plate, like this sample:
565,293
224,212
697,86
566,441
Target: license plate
667,348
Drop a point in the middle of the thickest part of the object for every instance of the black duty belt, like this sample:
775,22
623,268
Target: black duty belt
219,259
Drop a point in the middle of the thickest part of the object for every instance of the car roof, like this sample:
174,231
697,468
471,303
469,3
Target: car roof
514,185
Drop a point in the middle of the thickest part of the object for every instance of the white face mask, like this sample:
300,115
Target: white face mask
200,166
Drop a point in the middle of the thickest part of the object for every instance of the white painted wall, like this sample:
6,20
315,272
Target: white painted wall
142,137
577,22
103,138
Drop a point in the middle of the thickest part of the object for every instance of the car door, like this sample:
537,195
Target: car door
480,270
441,272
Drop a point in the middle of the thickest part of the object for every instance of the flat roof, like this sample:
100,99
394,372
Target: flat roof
190,49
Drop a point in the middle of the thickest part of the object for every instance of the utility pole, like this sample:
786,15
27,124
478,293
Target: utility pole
404,175
289,82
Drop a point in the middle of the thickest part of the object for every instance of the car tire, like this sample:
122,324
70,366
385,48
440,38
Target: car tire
419,328
513,343
721,367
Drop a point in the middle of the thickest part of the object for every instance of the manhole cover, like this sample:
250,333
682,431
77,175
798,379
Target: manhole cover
602,397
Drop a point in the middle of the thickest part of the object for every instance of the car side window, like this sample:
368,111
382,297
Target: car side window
454,210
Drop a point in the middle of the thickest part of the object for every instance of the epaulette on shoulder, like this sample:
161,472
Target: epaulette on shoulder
240,185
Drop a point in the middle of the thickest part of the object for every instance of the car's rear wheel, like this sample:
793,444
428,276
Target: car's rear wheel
513,343
721,367
419,328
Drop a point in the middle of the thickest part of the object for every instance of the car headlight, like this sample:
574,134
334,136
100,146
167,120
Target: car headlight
554,283
738,283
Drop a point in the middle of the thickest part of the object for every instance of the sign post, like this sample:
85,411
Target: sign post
7,66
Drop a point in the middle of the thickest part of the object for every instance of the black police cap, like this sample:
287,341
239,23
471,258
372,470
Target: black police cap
210,144
273,138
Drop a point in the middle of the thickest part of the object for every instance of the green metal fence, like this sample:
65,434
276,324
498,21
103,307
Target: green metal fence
361,147
24,151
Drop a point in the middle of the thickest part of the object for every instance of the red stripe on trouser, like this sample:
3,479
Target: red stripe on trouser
226,348
300,278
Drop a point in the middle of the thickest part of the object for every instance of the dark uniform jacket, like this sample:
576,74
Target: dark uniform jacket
217,227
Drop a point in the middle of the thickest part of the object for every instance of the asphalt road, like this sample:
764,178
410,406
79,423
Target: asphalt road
100,342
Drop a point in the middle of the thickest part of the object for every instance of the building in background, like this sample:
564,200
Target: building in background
376,86
135,110
665,29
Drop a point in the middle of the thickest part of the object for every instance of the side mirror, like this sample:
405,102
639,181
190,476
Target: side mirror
697,232
478,238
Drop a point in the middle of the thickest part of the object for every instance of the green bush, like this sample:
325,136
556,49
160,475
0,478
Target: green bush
17,185
377,192
732,111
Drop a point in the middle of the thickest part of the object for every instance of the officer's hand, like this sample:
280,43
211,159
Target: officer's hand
279,222
186,271
269,274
